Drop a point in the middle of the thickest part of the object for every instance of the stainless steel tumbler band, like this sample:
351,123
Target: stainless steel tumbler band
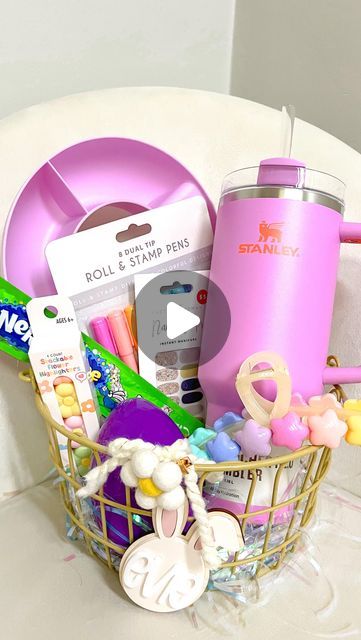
288,193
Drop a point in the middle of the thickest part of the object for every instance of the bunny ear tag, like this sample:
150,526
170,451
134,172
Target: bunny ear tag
226,530
165,570
170,523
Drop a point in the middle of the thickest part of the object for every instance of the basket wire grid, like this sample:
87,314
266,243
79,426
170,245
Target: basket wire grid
301,506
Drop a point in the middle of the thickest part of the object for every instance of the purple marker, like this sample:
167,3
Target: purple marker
101,332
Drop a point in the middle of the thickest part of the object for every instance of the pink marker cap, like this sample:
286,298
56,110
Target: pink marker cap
101,332
121,335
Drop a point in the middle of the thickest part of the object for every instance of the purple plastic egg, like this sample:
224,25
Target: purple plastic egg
135,418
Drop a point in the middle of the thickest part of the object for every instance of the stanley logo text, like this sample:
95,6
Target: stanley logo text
270,241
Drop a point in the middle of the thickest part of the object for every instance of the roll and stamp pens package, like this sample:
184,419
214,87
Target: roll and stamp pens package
96,268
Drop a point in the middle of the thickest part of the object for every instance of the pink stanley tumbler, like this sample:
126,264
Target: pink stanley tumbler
275,258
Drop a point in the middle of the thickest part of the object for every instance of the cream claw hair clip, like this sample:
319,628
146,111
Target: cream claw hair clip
264,366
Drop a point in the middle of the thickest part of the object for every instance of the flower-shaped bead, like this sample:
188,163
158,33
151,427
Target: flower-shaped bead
353,435
201,436
44,387
82,456
326,429
198,440
289,431
228,422
76,425
67,399
223,448
88,405
156,484
199,453
321,403
254,439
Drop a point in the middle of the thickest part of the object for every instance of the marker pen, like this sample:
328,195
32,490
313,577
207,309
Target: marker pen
130,316
122,338
101,333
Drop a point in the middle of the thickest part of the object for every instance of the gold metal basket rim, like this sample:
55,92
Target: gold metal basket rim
200,467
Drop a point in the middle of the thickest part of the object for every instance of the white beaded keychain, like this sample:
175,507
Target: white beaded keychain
158,471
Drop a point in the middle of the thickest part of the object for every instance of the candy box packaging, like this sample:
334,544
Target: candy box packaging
57,356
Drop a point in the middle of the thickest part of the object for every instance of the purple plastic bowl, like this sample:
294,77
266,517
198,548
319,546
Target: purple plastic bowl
66,193
136,418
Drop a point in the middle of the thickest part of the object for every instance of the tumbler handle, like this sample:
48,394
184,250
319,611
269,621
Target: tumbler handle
349,232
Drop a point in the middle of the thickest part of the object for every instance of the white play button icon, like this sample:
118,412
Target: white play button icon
179,320
170,309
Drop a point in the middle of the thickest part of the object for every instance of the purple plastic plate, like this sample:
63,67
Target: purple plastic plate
85,185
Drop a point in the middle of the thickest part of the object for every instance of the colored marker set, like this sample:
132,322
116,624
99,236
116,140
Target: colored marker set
114,333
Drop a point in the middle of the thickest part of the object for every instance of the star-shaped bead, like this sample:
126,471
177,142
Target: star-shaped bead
321,403
353,435
289,431
254,439
327,429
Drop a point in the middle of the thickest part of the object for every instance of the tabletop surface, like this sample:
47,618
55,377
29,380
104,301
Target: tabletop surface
51,588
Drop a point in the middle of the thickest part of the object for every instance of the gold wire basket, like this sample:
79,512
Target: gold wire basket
315,462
